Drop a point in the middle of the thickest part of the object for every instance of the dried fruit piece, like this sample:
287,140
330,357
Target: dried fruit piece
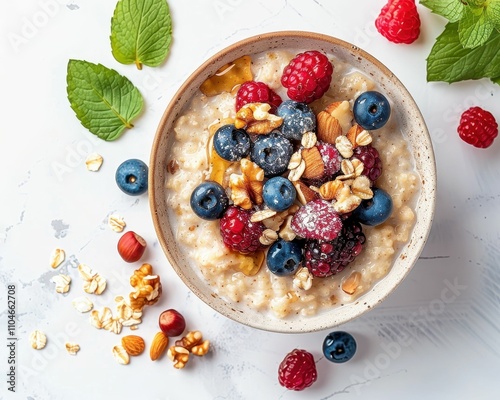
250,264
228,77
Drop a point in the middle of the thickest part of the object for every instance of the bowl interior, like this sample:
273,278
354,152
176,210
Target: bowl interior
410,120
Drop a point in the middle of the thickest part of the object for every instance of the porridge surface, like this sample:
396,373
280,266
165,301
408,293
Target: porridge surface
220,267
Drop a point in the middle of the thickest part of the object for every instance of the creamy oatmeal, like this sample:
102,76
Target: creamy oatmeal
232,275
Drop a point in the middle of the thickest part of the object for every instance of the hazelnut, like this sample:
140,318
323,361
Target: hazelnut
131,247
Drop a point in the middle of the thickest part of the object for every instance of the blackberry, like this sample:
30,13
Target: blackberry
325,258
370,158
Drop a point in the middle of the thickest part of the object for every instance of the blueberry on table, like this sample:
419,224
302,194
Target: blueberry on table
298,118
209,200
371,110
132,177
375,210
272,153
231,144
339,347
284,258
278,193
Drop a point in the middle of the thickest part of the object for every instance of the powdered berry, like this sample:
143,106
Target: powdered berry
478,127
325,258
297,371
257,92
238,232
318,220
399,21
307,77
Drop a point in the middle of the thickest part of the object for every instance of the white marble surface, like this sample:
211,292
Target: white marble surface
436,337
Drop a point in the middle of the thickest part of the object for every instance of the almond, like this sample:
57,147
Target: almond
328,127
158,346
133,344
315,167
304,193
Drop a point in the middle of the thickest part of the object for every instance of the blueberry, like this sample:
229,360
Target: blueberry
371,110
132,177
339,347
231,144
283,258
279,193
298,118
209,200
375,210
272,153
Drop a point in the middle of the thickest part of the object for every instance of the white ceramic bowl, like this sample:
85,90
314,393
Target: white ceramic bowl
411,122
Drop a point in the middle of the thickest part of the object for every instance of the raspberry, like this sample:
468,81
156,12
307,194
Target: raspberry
478,127
370,158
257,92
399,21
317,220
297,371
325,258
238,233
307,77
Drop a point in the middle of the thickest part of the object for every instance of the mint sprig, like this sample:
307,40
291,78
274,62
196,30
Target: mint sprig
104,101
141,32
469,47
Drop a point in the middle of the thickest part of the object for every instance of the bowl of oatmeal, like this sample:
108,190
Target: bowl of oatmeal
337,266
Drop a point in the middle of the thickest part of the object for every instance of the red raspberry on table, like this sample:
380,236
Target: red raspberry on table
478,127
297,371
399,21
257,92
307,77
239,233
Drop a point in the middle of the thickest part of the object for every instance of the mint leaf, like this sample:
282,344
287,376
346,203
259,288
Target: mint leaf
104,101
496,80
474,28
141,32
449,61
450,9
493,13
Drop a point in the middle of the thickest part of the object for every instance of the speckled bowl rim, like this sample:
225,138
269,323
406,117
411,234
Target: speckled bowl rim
418,137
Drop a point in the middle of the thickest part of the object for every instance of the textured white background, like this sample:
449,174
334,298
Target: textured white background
436,337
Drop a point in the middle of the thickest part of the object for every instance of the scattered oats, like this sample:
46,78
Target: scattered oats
120,355
72,348
62,283
116,223
57,257
82,304
38,340
93,162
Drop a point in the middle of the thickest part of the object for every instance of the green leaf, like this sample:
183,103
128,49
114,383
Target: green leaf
141,32
474,28
496,80
493,13
450,62
450,9
104,101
